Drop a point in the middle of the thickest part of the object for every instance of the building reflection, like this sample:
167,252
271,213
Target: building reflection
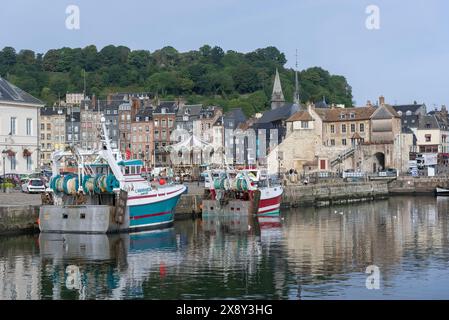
344,239
231,256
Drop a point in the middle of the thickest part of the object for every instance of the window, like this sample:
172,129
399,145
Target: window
342,116
408,113
108,111
13,162
428,137
170,123
42,136
343,142
352,127
137,119
332,142
156,123
42,126
304,124
427,125
362,127
49,146
13,126
48,126
332,128
343,128
128,117
352,115
48,136
164,123
115,111
29,164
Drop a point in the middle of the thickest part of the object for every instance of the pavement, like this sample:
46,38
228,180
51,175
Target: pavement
17,198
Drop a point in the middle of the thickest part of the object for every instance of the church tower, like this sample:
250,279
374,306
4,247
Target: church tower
277,98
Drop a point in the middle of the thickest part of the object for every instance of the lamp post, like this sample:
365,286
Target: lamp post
4,154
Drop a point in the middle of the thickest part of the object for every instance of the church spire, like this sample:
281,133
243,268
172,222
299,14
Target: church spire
277,98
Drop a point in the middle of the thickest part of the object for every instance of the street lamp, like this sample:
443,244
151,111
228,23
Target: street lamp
4,155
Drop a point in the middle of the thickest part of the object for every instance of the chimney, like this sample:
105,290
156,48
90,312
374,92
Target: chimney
381,100
368,103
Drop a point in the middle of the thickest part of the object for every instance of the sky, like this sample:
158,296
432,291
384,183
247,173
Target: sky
405,59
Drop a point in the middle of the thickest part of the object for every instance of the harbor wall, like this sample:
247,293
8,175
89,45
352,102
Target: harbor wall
23,218
417,185
328,194
19,219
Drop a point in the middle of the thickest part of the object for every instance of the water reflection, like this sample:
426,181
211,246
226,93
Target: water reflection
308,253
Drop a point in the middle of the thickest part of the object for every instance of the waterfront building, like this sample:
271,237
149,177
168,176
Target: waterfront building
19,129
52,132
187,115
142,136
110,112
72,126
164,117
75,98
90,124
202,127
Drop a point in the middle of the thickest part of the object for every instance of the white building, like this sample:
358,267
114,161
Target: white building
74,98
19,131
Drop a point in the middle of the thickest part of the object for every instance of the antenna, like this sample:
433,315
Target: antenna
296,65
84,92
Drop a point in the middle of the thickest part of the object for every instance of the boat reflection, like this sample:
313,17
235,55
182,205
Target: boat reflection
231,223
117,264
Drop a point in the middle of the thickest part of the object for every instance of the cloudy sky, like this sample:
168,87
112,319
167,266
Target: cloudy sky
406,59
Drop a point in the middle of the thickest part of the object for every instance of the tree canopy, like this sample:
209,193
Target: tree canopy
208,75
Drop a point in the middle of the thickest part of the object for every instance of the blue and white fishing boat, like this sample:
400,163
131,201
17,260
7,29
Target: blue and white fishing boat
106,194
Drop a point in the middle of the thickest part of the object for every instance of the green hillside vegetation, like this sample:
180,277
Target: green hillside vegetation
208,75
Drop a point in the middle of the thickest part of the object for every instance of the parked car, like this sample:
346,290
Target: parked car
33,186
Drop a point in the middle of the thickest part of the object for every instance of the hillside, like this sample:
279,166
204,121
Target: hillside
207,75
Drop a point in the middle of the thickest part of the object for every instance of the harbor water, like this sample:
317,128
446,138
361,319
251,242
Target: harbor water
387,249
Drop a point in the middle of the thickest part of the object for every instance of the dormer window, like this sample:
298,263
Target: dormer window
342,116
352,115
163,110
137,119
400,113
408,113
427,125
147,119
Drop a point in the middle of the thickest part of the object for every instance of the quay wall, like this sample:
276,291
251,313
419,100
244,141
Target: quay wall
16,218
328,194
417,185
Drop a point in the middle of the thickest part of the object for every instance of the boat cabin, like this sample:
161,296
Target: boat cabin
131,167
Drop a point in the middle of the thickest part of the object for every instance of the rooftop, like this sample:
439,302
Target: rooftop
11,93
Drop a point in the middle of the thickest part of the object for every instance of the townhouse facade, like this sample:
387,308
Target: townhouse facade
19,129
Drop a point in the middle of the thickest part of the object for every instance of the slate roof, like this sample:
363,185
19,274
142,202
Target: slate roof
194,110
408,107
282,113
50,111
11,93
145,112
334,115
428,122
171,107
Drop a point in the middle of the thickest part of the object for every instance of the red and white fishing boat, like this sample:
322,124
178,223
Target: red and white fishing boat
241,191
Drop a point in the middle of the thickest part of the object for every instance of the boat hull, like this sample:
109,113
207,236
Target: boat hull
155,210
441,191
270,202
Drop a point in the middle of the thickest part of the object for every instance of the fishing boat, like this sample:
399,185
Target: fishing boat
241,191
439,191
107,194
